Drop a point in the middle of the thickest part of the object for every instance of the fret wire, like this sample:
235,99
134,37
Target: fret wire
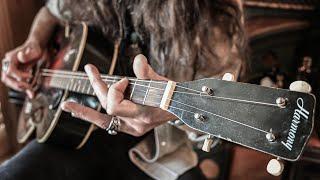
79,85
144,99
89,87
84,86
132,90
68,85
72,84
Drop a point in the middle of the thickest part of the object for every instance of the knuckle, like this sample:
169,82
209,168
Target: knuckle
147,120
111,110
140,130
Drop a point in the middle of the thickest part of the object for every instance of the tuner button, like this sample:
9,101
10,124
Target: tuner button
300,86
275,167
228,77
207,144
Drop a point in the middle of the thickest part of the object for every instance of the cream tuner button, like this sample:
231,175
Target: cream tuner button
275,167
300,86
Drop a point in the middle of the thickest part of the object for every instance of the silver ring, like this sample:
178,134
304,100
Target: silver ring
5,66
114,126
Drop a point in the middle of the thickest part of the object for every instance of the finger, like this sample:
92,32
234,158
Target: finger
14,72
87,114
134,127
143,70
14,84
116,104
95,117
29,53
99,86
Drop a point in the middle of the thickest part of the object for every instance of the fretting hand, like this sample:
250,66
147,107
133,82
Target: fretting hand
135,119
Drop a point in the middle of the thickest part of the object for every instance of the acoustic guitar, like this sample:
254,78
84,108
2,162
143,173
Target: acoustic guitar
271,120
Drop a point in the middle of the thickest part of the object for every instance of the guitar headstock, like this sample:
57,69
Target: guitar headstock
275,121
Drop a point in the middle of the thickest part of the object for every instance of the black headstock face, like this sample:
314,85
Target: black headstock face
275,121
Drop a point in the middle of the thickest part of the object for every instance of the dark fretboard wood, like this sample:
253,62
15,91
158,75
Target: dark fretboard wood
144,92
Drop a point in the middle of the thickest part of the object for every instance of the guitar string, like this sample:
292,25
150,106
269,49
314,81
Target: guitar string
217,115
111,77
200,94
214,114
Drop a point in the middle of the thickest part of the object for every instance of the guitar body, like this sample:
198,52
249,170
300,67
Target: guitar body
71,53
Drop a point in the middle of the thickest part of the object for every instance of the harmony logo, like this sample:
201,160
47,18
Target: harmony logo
298,113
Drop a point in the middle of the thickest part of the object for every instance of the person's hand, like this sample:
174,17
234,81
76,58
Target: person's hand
17,64
135,119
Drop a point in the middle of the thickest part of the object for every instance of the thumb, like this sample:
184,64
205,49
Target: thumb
29,53
143,70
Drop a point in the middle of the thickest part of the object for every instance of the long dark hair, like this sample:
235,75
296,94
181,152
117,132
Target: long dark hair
178,33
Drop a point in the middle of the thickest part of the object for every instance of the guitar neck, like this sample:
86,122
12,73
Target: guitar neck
144,92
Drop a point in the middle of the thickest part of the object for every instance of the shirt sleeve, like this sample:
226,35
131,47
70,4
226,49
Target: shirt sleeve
55,7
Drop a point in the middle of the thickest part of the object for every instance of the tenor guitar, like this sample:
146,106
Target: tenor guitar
274,121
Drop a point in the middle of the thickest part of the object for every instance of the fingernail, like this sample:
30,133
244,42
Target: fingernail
88,68
20,55
89,72
125,79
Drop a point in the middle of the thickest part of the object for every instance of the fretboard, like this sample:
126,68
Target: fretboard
144,92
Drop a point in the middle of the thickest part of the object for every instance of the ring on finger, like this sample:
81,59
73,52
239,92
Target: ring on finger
5,66
114,126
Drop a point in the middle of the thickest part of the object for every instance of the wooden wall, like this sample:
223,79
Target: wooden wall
15,20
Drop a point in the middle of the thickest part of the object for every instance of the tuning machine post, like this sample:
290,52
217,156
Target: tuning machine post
207,90
209,140
207,144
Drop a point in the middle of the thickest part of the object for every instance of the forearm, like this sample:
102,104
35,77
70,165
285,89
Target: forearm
42,26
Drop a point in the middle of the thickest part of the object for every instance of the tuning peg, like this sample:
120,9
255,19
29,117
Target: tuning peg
275,167
228,77
300,86
207,143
